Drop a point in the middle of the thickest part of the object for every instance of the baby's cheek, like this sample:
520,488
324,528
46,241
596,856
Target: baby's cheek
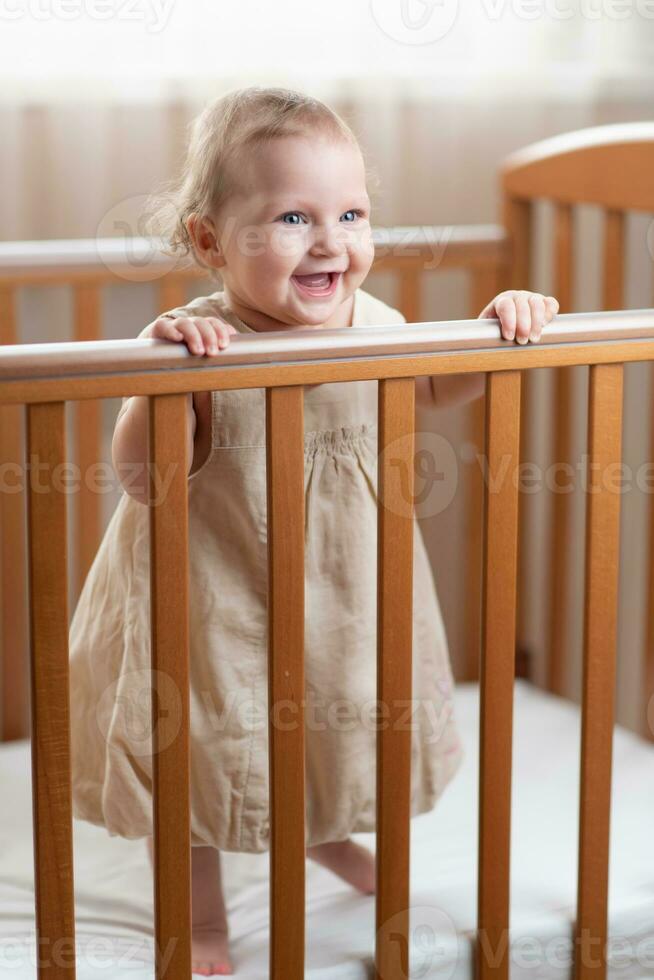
361,250
285,248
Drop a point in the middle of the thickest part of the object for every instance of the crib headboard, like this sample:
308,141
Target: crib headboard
610,167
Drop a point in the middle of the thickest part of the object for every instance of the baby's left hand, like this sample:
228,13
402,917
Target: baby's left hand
522,314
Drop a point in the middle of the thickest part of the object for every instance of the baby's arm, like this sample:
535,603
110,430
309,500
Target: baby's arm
522,315
445,390
129,446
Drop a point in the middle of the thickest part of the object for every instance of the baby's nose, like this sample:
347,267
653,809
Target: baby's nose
329,238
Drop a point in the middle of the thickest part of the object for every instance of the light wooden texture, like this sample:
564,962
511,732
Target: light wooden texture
609,166
410,294
486,284
560,597
497,672
397,407
88,423
395,523
50,706
564,396
600,633
606,165
13,576
518,221
613,271
163,380
169,593
647,726
286,687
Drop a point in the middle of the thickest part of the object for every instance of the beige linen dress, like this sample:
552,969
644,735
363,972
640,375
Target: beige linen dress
110,633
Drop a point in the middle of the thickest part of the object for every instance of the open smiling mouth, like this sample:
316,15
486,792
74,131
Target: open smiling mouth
319,284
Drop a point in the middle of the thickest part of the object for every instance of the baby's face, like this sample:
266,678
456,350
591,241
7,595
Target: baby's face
295,237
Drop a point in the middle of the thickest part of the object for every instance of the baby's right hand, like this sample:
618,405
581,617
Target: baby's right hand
201,334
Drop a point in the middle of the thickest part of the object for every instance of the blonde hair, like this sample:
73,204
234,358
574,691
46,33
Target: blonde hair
224,128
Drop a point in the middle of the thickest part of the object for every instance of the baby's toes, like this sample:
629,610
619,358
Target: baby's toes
211,953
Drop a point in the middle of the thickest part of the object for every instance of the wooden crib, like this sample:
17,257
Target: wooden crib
608,166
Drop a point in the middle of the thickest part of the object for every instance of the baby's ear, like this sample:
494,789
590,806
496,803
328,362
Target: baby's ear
203,235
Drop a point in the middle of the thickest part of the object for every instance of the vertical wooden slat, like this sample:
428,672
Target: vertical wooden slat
286,746
485,285
600,635
647,717
562,512
613,272
497,672
171,292
410,293
88,423
515,273
563,254
13,595
50,704
169,571
396,439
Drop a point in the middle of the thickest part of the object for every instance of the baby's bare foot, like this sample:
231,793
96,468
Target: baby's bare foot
349,861
210,955
210,934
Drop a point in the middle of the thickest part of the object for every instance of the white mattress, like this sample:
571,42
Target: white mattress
114,935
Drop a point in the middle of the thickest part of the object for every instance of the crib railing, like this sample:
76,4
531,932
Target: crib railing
44,377
87,267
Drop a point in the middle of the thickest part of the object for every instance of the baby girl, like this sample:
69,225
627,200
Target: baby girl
274,200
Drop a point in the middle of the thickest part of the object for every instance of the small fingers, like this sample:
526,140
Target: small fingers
201,334
523,317
506,312
514,315
523,314
192,336
552,306
162,328
537,307
221,335
206,329
214,334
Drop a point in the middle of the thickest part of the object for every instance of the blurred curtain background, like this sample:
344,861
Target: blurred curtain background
95,102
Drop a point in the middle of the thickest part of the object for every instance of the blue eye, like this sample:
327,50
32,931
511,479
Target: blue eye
356,212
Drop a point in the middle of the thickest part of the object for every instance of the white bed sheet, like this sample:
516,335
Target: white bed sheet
114,935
